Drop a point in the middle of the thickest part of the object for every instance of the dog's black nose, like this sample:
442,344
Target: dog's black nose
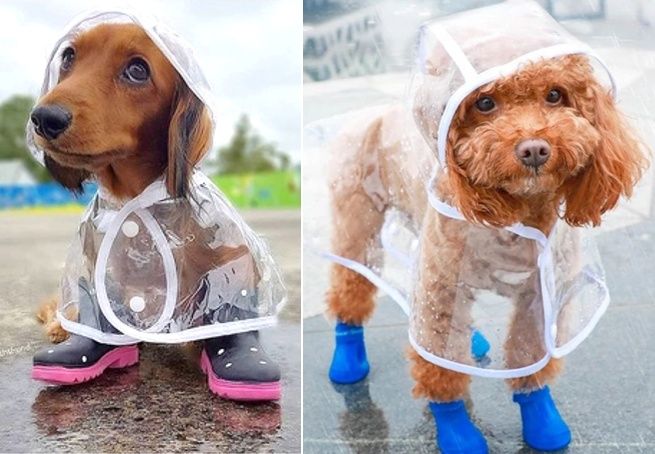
50,120
533,152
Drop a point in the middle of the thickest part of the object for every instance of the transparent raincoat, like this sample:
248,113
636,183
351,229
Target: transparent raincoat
157,268
533,295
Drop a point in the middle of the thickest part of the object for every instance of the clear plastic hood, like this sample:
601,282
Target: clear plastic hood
460,53
176,50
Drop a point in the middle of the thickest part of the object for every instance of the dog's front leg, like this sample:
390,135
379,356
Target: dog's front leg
437,383
524,345
440,321
47,315
543,426
440,325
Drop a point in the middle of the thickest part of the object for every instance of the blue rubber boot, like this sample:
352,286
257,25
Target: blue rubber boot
479,345
349,363
456,434
543,427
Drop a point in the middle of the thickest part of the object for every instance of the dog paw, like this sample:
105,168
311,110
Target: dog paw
45,314
56,334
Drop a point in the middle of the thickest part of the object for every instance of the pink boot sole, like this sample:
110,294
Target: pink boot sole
115,359
239,390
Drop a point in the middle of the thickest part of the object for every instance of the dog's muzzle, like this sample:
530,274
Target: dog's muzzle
50,121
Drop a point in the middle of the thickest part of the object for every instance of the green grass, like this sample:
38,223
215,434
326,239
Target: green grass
71,208
279,189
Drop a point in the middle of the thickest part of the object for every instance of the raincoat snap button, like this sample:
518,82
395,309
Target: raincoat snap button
137,303
130,229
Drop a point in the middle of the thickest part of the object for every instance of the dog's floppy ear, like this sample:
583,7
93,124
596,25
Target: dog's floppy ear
189,138
68,177
615,167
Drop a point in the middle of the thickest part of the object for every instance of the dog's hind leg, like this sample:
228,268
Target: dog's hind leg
351,296
357,217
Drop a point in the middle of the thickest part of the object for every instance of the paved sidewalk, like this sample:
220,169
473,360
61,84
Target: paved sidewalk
606,393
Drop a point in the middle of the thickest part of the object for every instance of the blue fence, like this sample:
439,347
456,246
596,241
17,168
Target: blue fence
18,196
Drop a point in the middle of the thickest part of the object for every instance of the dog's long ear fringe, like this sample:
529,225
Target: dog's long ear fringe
616,165
68,177
189,137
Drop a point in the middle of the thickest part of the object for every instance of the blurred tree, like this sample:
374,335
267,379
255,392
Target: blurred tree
249,152
14,113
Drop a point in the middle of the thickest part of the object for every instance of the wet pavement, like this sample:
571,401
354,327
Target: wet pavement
161,405
607,392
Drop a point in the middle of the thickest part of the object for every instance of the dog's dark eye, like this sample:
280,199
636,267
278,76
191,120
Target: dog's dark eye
554,96
485,104
67,58
137,71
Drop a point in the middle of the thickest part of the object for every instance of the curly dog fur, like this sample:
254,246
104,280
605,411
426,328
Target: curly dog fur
595,158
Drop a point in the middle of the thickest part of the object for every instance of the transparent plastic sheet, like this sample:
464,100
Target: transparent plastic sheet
484,279
580,295
168,270
531,295
159,269
460,53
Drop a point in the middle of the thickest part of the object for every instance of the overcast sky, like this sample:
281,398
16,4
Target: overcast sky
250,50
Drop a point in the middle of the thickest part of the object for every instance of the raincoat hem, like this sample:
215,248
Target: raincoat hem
560,352
133,336
478,371
380,283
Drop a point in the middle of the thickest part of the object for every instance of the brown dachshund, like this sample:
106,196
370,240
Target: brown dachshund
122,115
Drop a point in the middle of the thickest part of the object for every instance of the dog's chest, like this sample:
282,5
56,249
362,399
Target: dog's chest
497,263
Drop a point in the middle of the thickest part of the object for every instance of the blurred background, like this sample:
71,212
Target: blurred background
356,39
360,54
256,157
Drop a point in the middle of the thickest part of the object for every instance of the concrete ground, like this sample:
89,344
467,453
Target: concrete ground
607,392
161,405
